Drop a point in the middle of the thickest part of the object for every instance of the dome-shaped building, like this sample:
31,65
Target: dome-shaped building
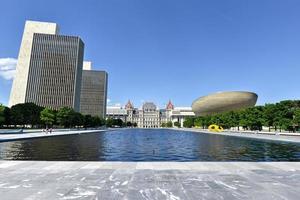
223,102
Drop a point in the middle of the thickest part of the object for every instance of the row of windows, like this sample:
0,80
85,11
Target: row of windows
52,70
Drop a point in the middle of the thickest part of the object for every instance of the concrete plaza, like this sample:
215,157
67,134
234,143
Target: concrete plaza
149,180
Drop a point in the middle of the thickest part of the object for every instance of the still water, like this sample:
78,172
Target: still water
149,145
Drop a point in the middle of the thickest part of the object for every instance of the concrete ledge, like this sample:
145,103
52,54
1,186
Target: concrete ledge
12,137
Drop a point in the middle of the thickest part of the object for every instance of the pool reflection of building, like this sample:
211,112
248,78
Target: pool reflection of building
149,115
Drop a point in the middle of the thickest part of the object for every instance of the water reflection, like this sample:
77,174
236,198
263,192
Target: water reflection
149,145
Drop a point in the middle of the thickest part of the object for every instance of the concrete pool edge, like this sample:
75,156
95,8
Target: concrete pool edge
220,166
278,138
26,136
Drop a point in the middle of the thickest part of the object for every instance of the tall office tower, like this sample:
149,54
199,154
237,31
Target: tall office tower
18,91
93,92
53,69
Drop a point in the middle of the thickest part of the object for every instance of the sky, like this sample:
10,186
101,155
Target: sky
156,50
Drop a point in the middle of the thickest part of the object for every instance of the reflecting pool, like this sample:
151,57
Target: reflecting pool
149,145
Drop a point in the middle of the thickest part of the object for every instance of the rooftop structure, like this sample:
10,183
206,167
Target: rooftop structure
87,65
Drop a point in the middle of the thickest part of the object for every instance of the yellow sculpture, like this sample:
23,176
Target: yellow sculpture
215,128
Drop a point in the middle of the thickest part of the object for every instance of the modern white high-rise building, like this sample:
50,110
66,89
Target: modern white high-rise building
49,68
19,87
51,72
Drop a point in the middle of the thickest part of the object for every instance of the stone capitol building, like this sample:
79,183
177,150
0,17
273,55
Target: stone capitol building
149,115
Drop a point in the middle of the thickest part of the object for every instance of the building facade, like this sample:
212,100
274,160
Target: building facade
19,86
149,116
93,93
146,117
51,72
55,71
49,68
116,112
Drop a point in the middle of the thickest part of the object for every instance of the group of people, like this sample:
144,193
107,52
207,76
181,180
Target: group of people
47,130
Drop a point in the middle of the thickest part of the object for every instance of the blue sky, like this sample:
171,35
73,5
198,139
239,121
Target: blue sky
156,50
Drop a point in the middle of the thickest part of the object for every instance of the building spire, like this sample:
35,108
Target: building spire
129,105
170,106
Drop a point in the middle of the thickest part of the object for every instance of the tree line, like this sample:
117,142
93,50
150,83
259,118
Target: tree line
284,115
170,124
34,116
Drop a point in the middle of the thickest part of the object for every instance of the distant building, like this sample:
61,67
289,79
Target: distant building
179,114
93,92
149,116
116,112
49,68
176,114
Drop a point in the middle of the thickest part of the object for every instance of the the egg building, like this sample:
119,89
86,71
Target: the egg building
221,102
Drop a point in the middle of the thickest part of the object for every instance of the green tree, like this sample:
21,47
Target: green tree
32,113
296,119
203,122
163,125
188,122
47,116
117,122
284,115
76,119
17,115
88,121
2,115
169,124
7,116
284,124
109,122
177,124
64,116
254,117
243,121
26,113
97,121
129,124
269,115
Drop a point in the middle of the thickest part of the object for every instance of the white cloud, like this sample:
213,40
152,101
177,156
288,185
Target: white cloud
111,103
8,68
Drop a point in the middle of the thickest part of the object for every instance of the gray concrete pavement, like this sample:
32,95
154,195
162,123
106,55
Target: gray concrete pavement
149,180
